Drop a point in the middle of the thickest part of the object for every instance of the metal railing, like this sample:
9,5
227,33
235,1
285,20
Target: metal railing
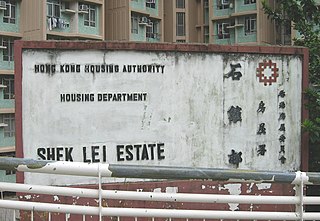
299,179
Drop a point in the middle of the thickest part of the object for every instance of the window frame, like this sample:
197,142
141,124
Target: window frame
8,51
9,15
9,154
151,3
249,22
180,4
206,34
8,91
249,2
221,5
89,19
206,4
181,27
134,24
152,29
222,30
54,8
9,119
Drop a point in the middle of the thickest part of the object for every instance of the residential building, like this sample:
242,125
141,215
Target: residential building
180,21
134,20
10,23
38,20
239,22
234,22
62,20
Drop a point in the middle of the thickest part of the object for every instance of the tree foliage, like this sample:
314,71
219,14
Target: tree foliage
312,125
304,16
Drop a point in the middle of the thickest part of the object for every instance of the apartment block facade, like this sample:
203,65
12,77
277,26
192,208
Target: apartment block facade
236,22
62,20
134,20
38,20
10,30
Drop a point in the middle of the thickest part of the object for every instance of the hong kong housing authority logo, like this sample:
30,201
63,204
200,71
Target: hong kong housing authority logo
267,72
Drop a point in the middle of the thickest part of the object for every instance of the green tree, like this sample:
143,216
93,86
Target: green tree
304,16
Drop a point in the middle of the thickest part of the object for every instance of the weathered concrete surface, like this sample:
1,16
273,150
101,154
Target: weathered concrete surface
218,110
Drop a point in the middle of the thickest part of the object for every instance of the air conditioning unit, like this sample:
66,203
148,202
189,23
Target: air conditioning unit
143,21
83,8
3,5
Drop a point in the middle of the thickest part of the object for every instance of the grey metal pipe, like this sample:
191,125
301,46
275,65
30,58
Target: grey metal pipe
155,172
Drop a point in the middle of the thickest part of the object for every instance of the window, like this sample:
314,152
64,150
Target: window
9,154
247,2
152,30
180,3
180,24
10,172
223,31
283,33
9,15
206,12
251,24
53,8
90,17
134,24
7,52
205,3
206,34
149,30
151,3
66,5
8,119
7,80
223,4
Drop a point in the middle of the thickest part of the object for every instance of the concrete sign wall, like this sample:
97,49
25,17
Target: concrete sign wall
195,109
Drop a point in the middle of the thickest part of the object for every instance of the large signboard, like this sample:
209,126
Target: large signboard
162,107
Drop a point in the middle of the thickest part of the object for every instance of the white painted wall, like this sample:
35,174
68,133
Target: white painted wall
186,109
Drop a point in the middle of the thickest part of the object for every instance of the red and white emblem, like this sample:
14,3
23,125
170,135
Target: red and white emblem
267,72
